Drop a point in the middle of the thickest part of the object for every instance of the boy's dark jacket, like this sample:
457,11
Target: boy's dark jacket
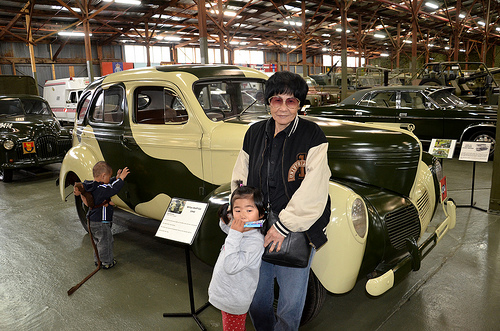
100,193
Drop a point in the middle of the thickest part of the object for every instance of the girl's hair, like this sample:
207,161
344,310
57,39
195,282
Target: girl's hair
286,82
243,192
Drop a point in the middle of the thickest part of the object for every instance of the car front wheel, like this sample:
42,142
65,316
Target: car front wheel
315,298
82,210
6,175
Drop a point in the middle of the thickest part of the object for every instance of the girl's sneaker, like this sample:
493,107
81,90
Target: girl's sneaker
109,266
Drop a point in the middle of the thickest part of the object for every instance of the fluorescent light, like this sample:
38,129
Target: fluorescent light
172,38
72,34
379,35
432,5
481,23
384,54
65,9
461,16
126,2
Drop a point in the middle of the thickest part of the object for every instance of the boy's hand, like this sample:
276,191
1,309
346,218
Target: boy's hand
121,174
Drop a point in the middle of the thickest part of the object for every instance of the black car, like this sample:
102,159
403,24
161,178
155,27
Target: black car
435,112
30,135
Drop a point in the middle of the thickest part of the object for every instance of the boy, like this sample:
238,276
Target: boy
102,188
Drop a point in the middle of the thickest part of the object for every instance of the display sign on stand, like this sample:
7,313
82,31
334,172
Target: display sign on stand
181,223
476,152
442,148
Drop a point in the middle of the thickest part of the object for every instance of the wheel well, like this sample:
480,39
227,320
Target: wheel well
472,131
71,179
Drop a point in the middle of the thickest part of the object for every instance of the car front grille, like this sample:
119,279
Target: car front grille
46,147
423,205
401,224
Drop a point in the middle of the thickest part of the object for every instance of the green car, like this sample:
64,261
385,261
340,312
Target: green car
30,135
168,124
432,111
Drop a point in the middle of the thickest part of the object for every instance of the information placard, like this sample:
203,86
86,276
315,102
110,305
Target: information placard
475,151
182,220
442,148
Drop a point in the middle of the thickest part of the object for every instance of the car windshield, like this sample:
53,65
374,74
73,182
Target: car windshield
444,98
35,107
11,107
229,98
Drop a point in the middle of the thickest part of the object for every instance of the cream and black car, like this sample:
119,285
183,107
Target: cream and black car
180,127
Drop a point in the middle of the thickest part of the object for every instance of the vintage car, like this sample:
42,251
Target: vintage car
434,111
384,188
30,135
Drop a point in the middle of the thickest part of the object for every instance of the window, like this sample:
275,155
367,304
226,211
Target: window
379,99
84,108
351,61
248,57
414,100
109,106
158,105
137,54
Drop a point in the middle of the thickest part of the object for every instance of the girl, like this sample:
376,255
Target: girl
236,271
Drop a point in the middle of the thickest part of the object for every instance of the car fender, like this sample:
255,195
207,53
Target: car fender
79,160
468,131
337,263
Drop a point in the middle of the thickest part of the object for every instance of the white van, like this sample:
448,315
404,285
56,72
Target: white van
63,95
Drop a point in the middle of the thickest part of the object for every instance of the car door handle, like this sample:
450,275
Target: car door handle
403,114
125,141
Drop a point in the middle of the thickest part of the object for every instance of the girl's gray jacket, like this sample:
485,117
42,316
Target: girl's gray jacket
236,272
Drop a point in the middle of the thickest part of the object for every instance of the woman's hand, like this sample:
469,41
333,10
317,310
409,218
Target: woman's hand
274,237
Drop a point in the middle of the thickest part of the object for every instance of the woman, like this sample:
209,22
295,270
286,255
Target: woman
286,158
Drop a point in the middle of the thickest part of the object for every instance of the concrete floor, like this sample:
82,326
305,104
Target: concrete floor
44,251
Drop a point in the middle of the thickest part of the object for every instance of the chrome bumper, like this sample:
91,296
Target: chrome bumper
411,261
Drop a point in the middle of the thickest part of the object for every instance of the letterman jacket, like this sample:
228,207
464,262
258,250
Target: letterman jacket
305,174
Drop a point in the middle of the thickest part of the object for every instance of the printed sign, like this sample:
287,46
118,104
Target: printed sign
182,220
442,148
475,151
29,147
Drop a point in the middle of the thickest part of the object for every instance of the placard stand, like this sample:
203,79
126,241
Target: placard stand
474,151
194,313
472,205
180,223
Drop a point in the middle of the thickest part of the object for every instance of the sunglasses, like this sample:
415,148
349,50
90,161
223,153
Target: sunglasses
290,103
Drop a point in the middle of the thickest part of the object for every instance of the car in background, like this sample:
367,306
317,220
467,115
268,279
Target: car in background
30,135
168,124
472,81
435,112
63,94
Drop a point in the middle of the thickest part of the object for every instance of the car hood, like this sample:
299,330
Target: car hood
29,125
368,153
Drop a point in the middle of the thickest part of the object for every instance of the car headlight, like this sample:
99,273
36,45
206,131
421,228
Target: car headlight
359,217
8,144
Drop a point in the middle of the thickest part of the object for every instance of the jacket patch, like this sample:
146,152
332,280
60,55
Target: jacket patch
298,168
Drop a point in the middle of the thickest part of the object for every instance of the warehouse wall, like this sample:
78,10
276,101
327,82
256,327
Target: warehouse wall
15,60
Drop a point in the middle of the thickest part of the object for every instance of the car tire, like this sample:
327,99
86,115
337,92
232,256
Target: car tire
81,210
485,136
315,298
6,175
430,82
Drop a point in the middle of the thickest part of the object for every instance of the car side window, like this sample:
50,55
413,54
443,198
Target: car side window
83,109
413,100
109,106
379,99
158,105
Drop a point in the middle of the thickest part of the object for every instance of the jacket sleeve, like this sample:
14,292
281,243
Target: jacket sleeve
308,202
240,170
106,191
238,257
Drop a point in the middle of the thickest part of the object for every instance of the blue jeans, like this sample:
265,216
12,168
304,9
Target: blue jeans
292,284
103,239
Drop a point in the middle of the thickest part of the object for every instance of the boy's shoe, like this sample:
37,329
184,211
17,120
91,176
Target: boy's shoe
109,266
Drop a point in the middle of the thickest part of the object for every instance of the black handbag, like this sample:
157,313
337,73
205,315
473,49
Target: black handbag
295,249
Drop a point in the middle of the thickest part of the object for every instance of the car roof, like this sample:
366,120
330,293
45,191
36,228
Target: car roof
356,96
